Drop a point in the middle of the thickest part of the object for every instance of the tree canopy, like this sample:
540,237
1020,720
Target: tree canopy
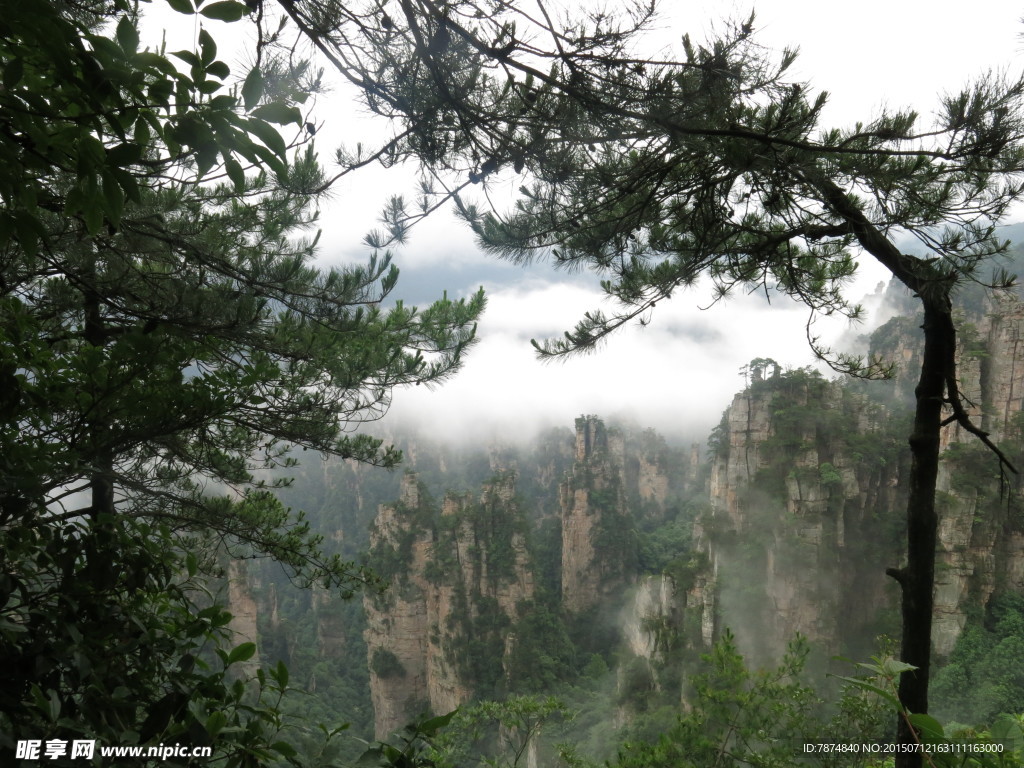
165,341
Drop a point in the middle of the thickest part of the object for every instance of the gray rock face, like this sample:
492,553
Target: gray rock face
416,628
804,520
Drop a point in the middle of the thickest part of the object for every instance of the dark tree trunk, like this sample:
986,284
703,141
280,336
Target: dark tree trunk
938,367
917,578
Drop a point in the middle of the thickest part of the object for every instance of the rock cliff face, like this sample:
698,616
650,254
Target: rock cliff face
244,611
459,581
653,600
801,526
331,636
981,549
592,500
617,482
667,613
981,536
807,496
463,596
801,510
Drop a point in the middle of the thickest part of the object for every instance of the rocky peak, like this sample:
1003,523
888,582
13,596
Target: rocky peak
597,546
462,574
242,604
596,442
409,495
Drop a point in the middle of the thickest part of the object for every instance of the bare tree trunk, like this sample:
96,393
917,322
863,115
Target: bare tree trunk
917,577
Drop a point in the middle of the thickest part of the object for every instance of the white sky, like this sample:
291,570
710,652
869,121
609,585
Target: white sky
680,372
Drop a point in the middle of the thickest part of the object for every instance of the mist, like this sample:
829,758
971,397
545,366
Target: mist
676,374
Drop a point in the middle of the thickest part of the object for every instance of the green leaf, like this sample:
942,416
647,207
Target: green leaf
150,60
1008,731
215,722
228,10
142,134
124,154
207,47
206,158
272,161
11,626
371,756
279,113
91,154
13,72
191,564
928,728
192,132
54,705
284,749
235,172
269,136
189,57
218,69
864,685
892,667
128,184
243,652
127,35
252,88
281,674
93,215
74,201
223,102
433,725
29,231
113,199
182,6
160,92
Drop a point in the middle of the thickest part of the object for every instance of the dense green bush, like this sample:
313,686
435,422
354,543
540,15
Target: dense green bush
385,664
984,676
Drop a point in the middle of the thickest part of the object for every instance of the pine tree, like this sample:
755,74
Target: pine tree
166,344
